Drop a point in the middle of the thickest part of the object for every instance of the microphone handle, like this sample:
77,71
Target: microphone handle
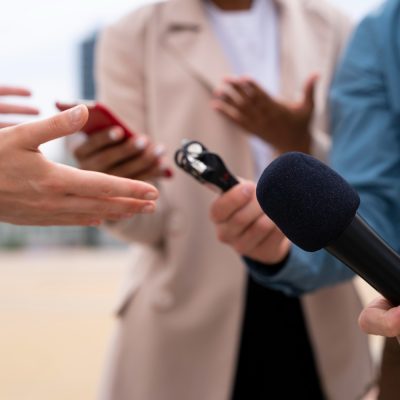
369,256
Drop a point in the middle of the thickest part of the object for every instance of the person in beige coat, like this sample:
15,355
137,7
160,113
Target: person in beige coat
180,315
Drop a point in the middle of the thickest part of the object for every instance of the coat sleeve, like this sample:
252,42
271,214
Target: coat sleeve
120,84
366,151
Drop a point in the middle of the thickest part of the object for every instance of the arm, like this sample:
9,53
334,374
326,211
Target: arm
365,151
121,86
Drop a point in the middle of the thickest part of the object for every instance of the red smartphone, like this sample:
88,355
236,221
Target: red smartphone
100,117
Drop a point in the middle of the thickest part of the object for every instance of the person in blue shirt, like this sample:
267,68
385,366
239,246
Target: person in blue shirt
365,127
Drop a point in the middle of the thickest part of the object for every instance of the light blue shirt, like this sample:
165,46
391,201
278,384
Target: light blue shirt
365,115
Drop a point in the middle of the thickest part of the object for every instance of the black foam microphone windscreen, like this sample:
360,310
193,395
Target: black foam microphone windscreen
311,203
316,208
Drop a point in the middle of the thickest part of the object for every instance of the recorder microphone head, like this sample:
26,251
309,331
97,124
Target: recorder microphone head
309,202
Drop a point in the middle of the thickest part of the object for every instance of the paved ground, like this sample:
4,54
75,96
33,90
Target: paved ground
55,318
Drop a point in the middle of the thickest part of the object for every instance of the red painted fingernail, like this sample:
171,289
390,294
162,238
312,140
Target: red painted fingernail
168,173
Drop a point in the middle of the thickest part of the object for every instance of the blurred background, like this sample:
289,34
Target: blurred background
57,285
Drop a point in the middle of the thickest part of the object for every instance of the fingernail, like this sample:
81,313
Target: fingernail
159,150
75,115
168,173
116,133
151,196
150,208
140,143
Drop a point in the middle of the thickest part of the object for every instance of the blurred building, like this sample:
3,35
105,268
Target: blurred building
87,67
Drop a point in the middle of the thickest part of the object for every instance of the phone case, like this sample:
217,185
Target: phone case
100,118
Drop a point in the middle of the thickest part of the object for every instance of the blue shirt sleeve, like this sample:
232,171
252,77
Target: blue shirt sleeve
366,152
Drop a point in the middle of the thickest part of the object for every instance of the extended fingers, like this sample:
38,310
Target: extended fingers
232,112
109,208
70,180
7,124
111,156
17,109
145,161
99,140
14,91
33,134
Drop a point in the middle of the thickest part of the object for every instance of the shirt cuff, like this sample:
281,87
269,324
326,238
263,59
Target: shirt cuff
274,276
302,272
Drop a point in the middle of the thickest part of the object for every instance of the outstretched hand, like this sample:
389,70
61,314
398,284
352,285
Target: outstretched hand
284,126
36,191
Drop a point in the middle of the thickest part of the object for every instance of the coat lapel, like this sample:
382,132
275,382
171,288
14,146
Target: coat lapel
189,37
298,58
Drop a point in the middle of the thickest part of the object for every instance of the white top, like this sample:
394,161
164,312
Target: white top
250,41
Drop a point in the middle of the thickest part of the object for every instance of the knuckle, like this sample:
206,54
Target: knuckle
221,235
239,219
46,205
262,225
99,160
51,185
78,153
149,157
363,321
392,327
102,209
55,124
107,191
214,212
239,247
98,139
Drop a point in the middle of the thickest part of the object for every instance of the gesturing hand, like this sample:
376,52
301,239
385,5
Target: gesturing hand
6,108
284,126
35,191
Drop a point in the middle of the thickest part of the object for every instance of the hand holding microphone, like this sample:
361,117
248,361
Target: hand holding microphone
240,223
238,218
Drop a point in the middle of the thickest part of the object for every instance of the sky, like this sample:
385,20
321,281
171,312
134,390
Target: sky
39,45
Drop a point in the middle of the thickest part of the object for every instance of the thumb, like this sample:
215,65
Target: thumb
309,92
34,134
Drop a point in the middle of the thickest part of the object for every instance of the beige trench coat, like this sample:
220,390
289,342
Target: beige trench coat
181,310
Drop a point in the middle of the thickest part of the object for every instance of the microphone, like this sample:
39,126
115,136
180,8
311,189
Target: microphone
316,208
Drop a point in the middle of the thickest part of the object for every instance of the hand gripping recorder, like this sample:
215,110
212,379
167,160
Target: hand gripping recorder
204,166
